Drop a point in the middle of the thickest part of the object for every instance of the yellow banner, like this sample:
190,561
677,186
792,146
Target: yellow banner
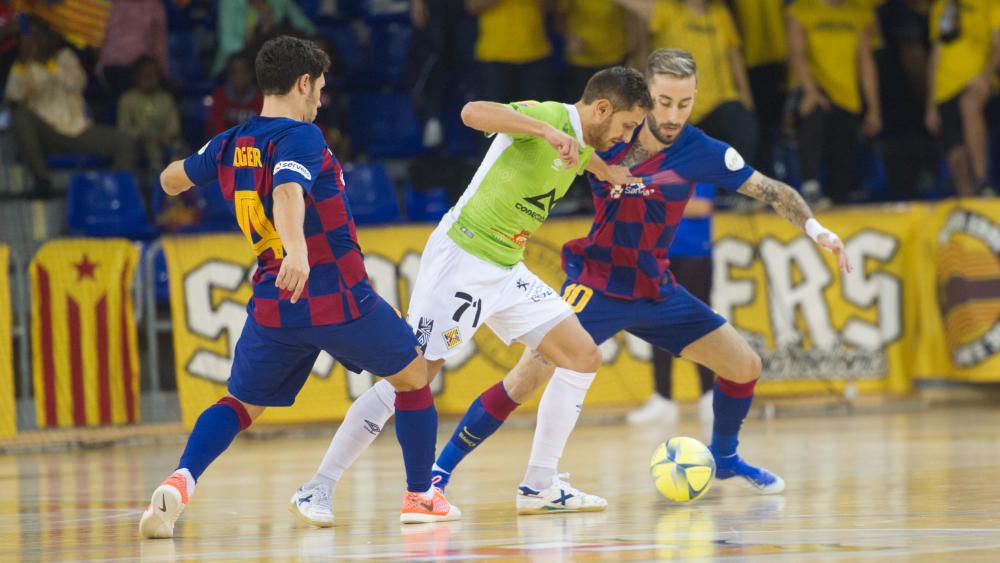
85,358
962,308
8,419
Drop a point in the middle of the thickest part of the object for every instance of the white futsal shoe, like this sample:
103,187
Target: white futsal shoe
169,500
312,505
560,496
656,410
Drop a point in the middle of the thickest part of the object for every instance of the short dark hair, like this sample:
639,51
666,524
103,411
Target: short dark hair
624,87
282,60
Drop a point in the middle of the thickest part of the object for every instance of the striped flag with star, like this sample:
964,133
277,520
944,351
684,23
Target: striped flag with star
83,335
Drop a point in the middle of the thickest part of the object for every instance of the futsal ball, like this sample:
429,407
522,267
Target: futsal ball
682,469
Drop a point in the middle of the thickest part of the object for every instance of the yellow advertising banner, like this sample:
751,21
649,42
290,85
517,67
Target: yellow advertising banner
85,356
8,419
961,333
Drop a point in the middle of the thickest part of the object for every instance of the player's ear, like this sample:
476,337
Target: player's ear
302,84
603,109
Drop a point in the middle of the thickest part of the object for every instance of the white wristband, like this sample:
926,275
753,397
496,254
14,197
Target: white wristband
814,230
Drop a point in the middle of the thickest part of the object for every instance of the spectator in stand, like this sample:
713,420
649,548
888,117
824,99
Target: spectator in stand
512,50
242,23
148,114
830,51
964,61
706,29
595,38
761,24
49,113
238,99
135,29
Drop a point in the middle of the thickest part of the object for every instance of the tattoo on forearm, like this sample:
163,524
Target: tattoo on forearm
782,197
541,358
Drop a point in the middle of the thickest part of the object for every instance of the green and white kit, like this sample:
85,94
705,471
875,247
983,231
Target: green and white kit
471,271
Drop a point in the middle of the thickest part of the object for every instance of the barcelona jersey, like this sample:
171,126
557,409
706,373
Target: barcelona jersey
249,160
626,254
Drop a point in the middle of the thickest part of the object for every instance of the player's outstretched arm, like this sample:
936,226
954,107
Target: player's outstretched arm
790,205
491,117
289,218
174,179
614,175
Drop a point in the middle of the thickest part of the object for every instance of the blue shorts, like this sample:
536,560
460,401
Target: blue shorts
272,364
670,325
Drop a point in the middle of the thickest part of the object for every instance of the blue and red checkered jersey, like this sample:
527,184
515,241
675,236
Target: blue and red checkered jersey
626,254
249,160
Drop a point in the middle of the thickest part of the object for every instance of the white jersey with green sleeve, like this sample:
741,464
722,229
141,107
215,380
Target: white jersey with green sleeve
518,182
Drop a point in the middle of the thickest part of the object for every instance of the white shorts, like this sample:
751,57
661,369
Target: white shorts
456,293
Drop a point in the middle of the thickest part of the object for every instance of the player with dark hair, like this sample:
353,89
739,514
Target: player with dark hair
471,271
310,291
618,278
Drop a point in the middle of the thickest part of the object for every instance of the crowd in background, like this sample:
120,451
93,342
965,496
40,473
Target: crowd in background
850,100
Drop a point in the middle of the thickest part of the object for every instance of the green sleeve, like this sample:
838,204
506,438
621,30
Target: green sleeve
552,113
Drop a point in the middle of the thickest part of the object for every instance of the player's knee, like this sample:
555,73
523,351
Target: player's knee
750,368
413,377
588,359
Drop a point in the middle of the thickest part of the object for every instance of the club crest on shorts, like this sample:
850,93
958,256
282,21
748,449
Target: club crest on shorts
425,327
452,337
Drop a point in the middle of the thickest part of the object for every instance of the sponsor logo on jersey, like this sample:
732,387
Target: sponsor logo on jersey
541,203
294,167
425,327
734,161
452,337
631,190
246,157
557,165
520,239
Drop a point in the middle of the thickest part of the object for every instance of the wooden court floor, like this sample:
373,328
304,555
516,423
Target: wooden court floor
921,486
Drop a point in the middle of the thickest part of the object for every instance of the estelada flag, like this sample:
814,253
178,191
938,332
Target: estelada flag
83,334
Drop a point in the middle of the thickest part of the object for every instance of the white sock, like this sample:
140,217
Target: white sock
189,479
363,422
557,415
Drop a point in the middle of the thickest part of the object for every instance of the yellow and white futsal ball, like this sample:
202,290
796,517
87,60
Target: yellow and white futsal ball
682,469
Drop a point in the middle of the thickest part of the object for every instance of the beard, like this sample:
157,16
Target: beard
658,134
598,134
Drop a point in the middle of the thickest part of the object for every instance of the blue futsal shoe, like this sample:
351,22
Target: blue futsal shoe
763,481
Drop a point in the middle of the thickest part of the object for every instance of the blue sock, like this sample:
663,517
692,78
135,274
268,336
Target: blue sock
416,430
215,429
731,403
485,415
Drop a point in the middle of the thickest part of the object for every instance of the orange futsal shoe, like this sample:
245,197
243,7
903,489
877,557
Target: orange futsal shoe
420,509
169,500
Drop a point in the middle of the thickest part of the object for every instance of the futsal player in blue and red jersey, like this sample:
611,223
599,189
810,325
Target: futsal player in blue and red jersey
618,278
310,291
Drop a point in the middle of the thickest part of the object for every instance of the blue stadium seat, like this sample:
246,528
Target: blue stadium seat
185,63
371,193
390,48
73,161
107,204
351,52
385,10
178,18
428,205
194,115
216,213
385,126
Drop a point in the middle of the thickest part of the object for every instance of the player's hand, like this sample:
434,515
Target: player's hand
620,176
294,274
836,246
566,146
873,123
812,100
932,120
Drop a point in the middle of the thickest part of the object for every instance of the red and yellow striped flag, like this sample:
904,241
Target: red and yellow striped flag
8,421
81,22
83,339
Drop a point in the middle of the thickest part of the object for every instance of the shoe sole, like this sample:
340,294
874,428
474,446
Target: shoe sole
425,518
776,488
164,507
532,511
302,517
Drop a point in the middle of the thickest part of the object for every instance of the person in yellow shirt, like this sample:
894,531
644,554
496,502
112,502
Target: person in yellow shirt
965,57
761,24
512,50
830,53
705,28
595,38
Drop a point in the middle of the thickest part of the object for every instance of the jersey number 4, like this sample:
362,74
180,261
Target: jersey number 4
255,225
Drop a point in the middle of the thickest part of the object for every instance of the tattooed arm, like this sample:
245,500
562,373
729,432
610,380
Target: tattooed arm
782,197
790,205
